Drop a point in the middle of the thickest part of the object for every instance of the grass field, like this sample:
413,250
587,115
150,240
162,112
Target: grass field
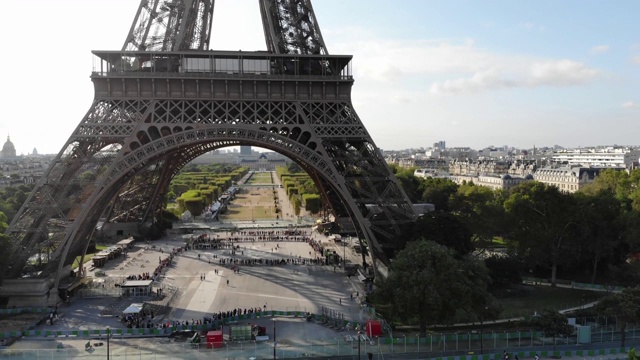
260,178
537,298
526,302
252,205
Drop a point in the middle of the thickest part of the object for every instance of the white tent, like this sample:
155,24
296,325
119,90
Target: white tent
133,309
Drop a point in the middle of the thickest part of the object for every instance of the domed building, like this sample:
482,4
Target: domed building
8,150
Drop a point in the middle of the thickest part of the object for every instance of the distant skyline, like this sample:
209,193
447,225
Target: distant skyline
472,73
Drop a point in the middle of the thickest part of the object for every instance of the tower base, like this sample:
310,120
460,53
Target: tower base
28,292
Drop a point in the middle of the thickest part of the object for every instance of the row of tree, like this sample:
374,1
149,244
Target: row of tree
443,266
593,231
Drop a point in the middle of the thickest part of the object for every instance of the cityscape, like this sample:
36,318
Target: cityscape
179,185
570,169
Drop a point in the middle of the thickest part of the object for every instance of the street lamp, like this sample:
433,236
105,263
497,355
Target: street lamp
108,338
274,339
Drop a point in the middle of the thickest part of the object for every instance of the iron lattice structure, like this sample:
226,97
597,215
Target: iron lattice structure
162,101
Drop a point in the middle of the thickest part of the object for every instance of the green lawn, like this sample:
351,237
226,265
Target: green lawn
537,298
252,205
260,178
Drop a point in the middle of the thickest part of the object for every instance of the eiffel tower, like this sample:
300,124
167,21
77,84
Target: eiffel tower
165,99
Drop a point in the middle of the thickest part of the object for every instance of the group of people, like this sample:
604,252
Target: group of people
143,276
143,319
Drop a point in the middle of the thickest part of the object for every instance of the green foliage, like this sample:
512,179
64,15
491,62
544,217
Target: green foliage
192,200
12,198
297,204
5,245
427,283
292,191
294,168
410,184
179,187
443,228
438,191
625,187
541,221
504,271
309,187
481,209
312,203
625,306
599,229
553,324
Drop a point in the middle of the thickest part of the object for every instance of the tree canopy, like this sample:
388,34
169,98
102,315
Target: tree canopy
625,306
429,284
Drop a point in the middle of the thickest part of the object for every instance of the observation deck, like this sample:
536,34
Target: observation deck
221,75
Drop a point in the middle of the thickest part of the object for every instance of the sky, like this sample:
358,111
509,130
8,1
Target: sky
472,73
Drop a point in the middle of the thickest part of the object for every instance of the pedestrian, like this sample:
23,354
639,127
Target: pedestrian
227,282
515,356
351,296
536,357
340,301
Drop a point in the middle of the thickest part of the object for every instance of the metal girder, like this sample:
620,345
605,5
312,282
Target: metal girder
171,25
290,27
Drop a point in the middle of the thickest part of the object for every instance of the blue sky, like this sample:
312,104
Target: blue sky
472,73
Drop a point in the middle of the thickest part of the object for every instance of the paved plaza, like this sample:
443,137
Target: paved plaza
204,286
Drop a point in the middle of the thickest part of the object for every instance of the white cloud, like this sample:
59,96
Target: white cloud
561,73
489,79
636,59
629,104
541,73
600,49
448,66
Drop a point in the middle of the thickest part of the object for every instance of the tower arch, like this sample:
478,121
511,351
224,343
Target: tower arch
157,105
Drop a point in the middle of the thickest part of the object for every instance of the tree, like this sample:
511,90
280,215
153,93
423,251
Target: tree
309,187
554,324
541,220
438,191
428,283
599,228
297,204
625,306
504,271
4,245
481,209
443,228
294,168
409,183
